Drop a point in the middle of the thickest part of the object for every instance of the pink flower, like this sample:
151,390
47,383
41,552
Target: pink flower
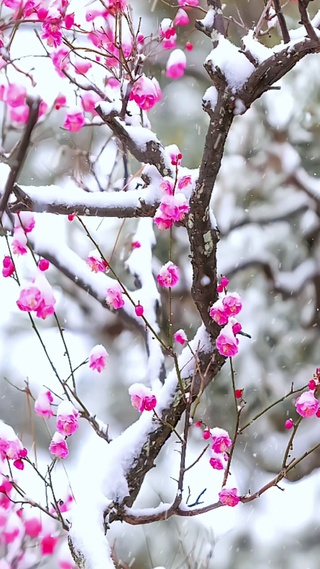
173,207
60,101
29,299
114,296
49,543
98,358
58,446
15,95
96,263
82,66
33,527
8,266
168,275
168,34
10,446
52,33
176,64
60,60
46,306
307,405
220,440
227,343
229,497
218,312
146,93
142,397
67,418
180,336
42,404
218,461
26,220
135,244
89,101
74,121
19,243
181,18
232,304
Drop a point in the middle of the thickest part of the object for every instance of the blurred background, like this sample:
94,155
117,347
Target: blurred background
267,205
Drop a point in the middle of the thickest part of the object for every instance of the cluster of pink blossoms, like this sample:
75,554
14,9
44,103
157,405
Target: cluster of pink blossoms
66,421
173,204
25,538
223,311
96,263
220,442
142,397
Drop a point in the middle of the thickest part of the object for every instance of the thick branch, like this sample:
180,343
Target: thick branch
52,199
275,67
141,142
203,236
17,159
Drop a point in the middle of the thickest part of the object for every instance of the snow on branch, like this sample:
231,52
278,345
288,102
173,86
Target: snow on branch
71,199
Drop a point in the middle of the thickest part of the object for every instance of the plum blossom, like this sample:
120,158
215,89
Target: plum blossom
146,93
180,336
8,266
227,343
218,461
172,208
33,527
220,440
181,18
67,418
37,297
218,312
142,397
176,64
114,296
98,358
49,543
232,304
19,242
168,275
43,265
26,220
42,404
11,447
96,263
167,33
15,95
58,446
74,121
307,405
229,497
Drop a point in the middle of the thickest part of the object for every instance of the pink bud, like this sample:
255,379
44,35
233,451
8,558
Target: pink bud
307,405
176,64
8,266
43,265
289,424
180,337
139,310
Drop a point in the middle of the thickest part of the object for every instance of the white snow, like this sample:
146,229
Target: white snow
259,51
234,65
210,97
